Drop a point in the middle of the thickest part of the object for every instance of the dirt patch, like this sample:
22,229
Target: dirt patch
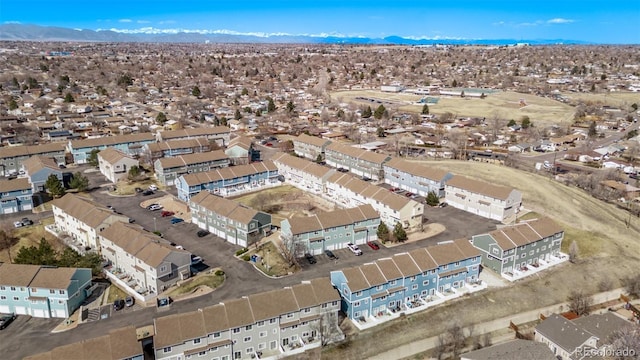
171,203
196,286
271,261
31,236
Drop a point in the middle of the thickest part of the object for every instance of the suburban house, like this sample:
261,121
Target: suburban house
119,343
361,162
230,220
406,280
12,157
176,147
168,169
130,144
303,174
229,181
579,338
415,178
514,248
141,262
241,151
15,195
82,220
115,165
38,169
349,191
514,349
268,325
218,134
42,291
310,147
480,198
331,230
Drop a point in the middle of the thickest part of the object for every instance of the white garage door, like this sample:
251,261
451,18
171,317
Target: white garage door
361,241
27,207
59,313
21,310
9,210
39,313
4,309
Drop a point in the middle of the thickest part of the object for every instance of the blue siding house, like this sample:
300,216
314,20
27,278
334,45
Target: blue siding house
15,195
41,291
407,282
39,168
131,144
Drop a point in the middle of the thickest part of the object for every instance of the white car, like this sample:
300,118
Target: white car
354,249
17,224
153,188
154,207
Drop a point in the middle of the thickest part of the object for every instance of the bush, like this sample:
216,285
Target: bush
219,273
246,257
157,233
241,251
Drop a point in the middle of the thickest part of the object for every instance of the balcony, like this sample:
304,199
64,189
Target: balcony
536,267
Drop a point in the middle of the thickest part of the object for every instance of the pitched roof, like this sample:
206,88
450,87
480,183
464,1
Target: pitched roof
241,141
14,185
228,173
199,132
388,198
16,151
178,144
112,140
177,328
601,325
36,163
358,153
17,274
524,233
480,187
224,207
415,169
112,155
514,349
192,159
85,210
271,304
563,332
53,278
311,140
302,165
36,276
331,219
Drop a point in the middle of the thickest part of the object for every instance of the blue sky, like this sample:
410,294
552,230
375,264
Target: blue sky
611,21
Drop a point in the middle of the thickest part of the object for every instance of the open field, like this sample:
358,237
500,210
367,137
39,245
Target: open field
209,279
621,99
30,236
505,105
609,252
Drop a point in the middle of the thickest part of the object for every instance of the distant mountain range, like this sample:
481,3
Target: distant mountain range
23,32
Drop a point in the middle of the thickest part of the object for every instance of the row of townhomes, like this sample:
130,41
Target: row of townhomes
331,230
228,219
119,343
15,195
229,181
480,198
269,325
141,260
12,157
516,251
303,174
216,134
82,220
586,337
241,151
42,291
130,144
168,169
310,147
361,162
173,148
115,165
415,178
407,282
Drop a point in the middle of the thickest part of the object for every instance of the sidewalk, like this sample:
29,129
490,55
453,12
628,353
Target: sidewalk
407,350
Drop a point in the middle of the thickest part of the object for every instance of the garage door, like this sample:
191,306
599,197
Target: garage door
4,309
59,313
9,210
39,313
21,310
361,241
171,182
27,207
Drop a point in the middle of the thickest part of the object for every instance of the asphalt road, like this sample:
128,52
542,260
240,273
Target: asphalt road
31,335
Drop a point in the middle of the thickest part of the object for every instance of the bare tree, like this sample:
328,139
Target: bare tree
573,251
632,285
579,302
290,249
7,238
625,342
324,328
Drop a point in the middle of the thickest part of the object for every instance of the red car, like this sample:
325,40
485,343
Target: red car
373,245
167,213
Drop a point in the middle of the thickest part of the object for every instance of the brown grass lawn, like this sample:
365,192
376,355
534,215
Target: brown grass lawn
621,99
30,236
209,279
115,293
274,263
608,251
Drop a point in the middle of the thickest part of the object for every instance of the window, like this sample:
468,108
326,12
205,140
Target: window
249,350
167,349
13,288
248,327
216,335
51,291
236,330
260,323
531,253
202,353
196,341
379,287
523,256
263,334
247,339
392,282
61,292
414,287
272,321
457,263
334,303
15,298
359,293
3,297
425,283
356,304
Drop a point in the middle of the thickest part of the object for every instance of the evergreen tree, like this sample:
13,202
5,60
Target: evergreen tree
432,199
367,112
379,112
13,104
93,157
592,129
425,109
511,123
79,182
54,186
319,158
271,106
398,233
526,122
161,118
237,115
69,98
195,91
380,132
134,172
383,232
290,106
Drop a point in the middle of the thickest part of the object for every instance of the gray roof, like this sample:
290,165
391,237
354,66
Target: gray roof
512,350
563,333
601,325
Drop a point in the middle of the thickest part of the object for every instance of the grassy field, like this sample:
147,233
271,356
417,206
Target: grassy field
30,236
204,279
621,99
608,252
115,293
502,104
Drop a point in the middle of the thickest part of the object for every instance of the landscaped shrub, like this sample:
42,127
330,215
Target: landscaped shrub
219,272
246,258
241,251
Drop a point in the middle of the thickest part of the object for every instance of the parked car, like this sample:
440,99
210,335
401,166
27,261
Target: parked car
6,319
26,221
154,207
166,213
195,259
408,194
373,245
202,233
118,304
147,192
138,190
354,249
343,170
129,301
176,220
331,255
153,188
442,204
310,258
17,224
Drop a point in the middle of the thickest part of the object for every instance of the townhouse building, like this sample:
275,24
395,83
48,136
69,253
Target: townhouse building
490,201
229,181
38,169
115,165
230,220
218,134
130,144
415,178
332,230
143,261
361,162
241,151
564,338
12,157
82,219
348,191
310,147
42,291
406,280
118,344
513,248
512,349
303,174
167,170
173,148
15,195
267,325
